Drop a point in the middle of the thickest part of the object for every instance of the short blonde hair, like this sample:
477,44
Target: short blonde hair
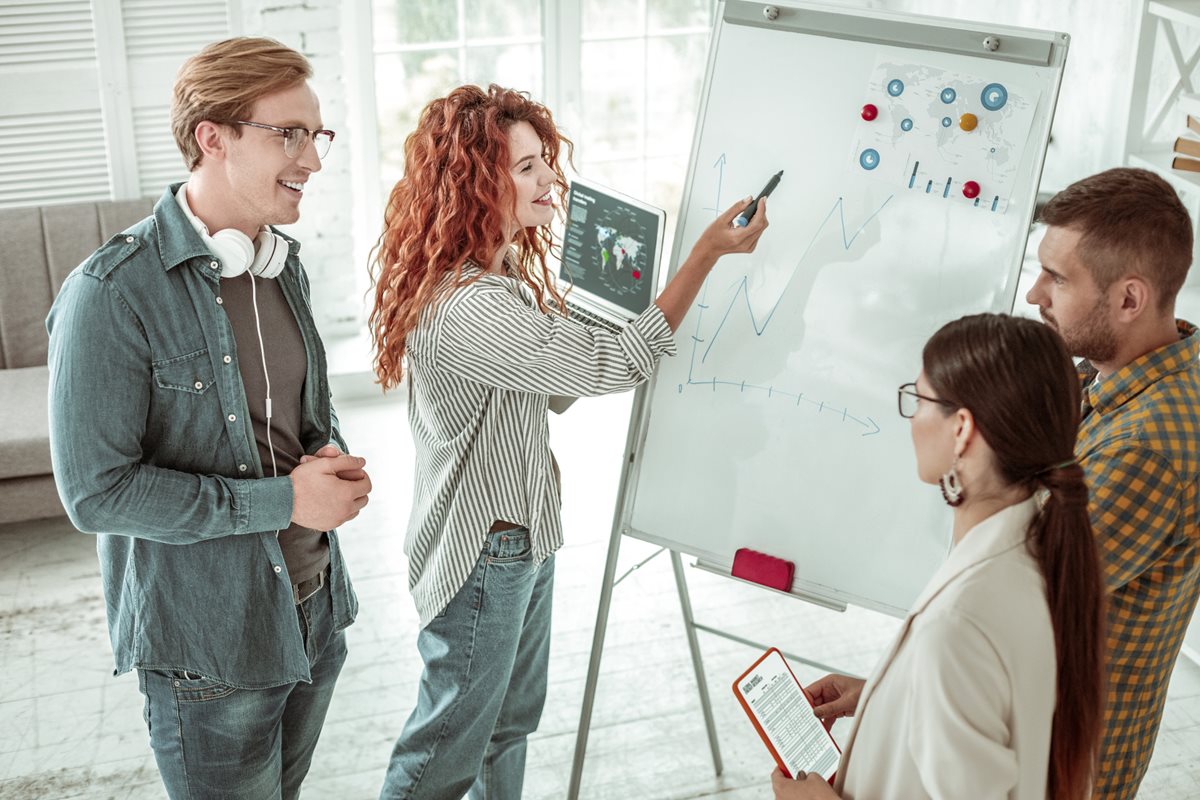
224,80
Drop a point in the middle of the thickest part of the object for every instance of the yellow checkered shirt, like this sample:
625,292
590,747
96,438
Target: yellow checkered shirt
1139,445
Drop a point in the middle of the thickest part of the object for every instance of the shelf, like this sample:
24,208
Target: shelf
1185,12
1159,160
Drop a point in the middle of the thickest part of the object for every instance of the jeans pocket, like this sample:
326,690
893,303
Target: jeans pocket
192,688
508,547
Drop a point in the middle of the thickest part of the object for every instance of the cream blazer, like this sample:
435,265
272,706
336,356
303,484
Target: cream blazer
961,706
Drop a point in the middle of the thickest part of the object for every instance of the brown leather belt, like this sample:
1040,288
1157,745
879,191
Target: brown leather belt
307,588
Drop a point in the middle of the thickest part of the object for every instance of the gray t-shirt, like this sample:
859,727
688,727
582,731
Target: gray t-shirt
305,551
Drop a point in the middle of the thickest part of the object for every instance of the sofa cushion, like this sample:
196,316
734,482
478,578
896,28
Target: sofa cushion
39,246
24,424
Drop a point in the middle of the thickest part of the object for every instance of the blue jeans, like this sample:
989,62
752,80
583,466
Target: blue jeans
484,683
216,741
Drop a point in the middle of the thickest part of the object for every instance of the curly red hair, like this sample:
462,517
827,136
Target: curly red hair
452,207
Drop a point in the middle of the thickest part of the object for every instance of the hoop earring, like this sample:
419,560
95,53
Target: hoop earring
951,486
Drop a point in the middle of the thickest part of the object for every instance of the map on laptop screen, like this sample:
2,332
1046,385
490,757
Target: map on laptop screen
611,246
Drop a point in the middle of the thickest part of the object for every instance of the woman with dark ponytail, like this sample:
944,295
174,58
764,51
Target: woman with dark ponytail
993,687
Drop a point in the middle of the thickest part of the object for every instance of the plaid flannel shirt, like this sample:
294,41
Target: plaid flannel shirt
1139,445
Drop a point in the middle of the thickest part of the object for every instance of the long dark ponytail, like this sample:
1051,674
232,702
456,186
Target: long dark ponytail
1018,381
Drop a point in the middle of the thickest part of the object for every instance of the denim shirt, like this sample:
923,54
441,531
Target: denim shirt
153,449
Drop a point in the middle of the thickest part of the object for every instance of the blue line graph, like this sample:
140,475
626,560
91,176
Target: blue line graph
742,291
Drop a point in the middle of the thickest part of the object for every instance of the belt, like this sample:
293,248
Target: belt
307,588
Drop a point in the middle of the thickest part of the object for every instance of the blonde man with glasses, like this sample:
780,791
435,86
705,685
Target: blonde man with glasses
192,430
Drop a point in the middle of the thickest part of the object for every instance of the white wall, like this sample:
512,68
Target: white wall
314,27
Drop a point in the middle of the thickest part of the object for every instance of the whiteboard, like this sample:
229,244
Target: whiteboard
775,427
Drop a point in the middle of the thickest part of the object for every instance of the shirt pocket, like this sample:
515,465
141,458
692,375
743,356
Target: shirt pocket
191,373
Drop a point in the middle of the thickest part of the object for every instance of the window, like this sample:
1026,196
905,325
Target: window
623,78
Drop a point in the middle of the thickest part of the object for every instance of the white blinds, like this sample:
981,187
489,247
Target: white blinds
87,88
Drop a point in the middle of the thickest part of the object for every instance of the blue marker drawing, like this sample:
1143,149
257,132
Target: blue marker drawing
946,121
995,202
912,178
895,87
869,159
994,96
743,287
871,427
946,191
719,164
948,95
906,124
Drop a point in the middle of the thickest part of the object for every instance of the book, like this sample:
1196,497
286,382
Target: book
1188,146
783,716
1185,164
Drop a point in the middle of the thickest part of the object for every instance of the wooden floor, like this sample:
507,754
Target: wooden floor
68,729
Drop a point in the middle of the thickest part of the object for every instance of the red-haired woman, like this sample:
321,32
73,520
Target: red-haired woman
994,687
467,310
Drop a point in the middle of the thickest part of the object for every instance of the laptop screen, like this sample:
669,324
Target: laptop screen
611,246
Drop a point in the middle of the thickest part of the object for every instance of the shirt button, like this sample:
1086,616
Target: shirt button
242,467
220,301
278,569
227,359
199,384
233,417
129,239
215,264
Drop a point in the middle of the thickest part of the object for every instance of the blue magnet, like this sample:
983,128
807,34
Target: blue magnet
895,87
993,97
869,159
906,124
946,122
948,95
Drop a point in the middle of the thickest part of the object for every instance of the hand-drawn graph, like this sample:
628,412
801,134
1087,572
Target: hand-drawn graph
708,329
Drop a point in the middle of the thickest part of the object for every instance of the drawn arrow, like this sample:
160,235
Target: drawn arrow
719,165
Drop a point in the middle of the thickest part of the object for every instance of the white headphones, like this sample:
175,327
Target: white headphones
264,257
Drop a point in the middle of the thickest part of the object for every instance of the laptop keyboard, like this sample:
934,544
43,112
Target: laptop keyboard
586,317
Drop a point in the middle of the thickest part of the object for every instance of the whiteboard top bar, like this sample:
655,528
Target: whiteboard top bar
998,41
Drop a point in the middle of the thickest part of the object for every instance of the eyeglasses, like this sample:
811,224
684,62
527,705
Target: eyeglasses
294,139
909,400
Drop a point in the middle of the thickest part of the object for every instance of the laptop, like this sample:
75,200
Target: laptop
612,246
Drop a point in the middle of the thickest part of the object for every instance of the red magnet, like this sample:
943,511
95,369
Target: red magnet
970,190
870,112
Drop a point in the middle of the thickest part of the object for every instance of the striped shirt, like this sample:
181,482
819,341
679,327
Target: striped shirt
1139,448
482,365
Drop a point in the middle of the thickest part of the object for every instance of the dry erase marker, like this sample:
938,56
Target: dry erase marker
743,219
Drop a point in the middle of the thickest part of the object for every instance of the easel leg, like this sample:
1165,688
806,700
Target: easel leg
689,624
589,689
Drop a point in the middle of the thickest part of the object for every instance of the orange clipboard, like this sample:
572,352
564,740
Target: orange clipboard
741,687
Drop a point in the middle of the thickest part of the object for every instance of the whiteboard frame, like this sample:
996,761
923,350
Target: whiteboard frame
1028,46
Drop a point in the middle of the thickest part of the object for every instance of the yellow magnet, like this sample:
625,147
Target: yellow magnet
968,122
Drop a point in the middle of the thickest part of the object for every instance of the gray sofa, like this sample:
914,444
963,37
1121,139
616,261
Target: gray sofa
39,246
